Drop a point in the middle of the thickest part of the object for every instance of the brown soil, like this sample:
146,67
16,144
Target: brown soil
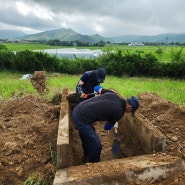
28,134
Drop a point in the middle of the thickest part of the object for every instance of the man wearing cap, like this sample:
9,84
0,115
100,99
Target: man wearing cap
88,81
109,107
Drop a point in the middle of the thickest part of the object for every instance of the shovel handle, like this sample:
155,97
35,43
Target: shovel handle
115,130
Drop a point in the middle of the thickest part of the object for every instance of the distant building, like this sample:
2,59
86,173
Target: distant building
136,44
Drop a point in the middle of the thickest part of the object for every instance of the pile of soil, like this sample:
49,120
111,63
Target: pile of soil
169,118
38,81
28,134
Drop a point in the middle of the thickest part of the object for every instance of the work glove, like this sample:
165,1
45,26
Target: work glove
97,88
107,126
84,96
79,89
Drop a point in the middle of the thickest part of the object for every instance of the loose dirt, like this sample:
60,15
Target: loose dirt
28,134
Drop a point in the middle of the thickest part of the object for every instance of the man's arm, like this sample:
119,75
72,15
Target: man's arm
79,87
101,90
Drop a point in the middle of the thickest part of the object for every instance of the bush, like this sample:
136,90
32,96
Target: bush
116,63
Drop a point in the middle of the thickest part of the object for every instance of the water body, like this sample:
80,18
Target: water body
73,53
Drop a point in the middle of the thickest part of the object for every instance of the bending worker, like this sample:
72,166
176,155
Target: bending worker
109,107
88,81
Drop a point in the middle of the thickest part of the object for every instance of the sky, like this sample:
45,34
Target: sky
104,17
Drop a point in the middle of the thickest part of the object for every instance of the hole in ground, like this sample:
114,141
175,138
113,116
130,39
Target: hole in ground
129,146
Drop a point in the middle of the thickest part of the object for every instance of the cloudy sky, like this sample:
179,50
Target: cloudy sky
104,17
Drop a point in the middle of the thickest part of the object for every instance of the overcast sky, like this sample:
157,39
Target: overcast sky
104,17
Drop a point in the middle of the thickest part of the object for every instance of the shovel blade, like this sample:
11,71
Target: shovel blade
116,147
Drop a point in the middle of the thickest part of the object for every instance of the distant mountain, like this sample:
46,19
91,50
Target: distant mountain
70,35
10,34
64,35
157,38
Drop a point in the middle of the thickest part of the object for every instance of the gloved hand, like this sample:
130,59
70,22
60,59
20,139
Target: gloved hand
84,96
79,89
108,126
97,88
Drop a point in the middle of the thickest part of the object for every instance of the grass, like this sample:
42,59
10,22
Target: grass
27,46
165,56
171,90
34,179
168,89
31,46
11,85
53,155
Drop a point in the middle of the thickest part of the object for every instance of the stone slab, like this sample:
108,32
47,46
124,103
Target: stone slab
148,168
64,153
150,138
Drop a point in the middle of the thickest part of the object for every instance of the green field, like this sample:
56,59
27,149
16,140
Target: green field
26,46
165,55
172,90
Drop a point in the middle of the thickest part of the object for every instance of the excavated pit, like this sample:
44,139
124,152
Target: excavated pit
139,139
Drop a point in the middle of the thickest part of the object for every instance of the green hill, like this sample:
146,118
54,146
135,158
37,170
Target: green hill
63,34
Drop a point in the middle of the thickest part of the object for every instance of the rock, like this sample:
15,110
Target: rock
174,138
9,147
19,171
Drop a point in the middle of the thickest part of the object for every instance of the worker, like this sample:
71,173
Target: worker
87,82
108,106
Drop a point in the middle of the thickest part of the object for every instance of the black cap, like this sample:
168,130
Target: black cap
100,75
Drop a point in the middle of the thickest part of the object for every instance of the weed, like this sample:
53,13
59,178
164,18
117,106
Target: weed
53,155
34,180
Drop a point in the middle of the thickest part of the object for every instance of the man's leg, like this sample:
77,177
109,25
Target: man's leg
91,141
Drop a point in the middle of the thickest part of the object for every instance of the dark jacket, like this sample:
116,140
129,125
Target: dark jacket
105,107
90,81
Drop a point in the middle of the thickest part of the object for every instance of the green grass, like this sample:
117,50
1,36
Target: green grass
165,55
26,46
168,89
30,46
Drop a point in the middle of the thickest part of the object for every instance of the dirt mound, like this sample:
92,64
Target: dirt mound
28,133
39,82
169,118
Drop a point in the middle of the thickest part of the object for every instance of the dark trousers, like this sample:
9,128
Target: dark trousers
90,140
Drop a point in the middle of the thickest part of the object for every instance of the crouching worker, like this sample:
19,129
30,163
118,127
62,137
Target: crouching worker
109,107
88,81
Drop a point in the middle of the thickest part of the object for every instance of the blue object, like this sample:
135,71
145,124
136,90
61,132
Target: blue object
134,102
108,126
97,88
116,147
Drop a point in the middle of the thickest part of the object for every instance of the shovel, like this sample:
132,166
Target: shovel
116,142
74,97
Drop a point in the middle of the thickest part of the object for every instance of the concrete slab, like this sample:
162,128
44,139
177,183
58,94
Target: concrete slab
147,168
149,137
64,153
